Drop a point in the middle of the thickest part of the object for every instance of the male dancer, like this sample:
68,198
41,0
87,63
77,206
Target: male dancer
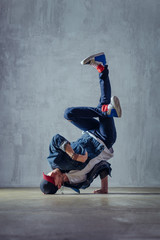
71,162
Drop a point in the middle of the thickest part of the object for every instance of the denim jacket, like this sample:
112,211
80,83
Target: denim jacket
58,158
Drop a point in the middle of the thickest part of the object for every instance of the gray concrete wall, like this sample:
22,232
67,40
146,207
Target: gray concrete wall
41,45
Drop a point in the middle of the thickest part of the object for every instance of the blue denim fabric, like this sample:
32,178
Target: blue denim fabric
59,159
84,117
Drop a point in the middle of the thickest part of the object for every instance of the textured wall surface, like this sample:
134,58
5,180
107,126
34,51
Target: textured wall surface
41,45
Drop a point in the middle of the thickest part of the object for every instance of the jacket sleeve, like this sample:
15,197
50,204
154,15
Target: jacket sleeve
58,142
56,151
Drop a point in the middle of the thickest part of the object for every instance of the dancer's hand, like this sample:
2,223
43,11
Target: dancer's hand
57,175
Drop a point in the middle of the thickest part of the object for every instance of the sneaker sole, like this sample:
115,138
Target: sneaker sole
84,61
116,103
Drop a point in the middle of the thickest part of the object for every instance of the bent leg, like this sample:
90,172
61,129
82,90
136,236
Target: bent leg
82,117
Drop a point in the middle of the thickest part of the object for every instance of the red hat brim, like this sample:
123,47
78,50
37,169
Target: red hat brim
48,178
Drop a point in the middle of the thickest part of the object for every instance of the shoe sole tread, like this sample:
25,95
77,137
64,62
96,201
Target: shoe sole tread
116,103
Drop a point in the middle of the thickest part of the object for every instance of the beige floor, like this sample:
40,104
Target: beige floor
125,213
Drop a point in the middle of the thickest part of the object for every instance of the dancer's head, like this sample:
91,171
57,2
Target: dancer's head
47,185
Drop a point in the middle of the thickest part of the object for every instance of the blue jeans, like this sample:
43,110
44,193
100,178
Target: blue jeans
84,117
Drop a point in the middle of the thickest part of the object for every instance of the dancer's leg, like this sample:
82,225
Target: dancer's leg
106,130
113,109
83,117
105,87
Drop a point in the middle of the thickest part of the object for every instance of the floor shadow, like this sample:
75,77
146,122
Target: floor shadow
121,193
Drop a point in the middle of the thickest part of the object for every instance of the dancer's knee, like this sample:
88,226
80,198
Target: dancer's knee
68,114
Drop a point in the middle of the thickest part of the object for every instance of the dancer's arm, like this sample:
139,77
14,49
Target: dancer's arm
75,156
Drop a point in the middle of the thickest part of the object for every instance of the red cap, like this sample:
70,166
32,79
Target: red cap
48,178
